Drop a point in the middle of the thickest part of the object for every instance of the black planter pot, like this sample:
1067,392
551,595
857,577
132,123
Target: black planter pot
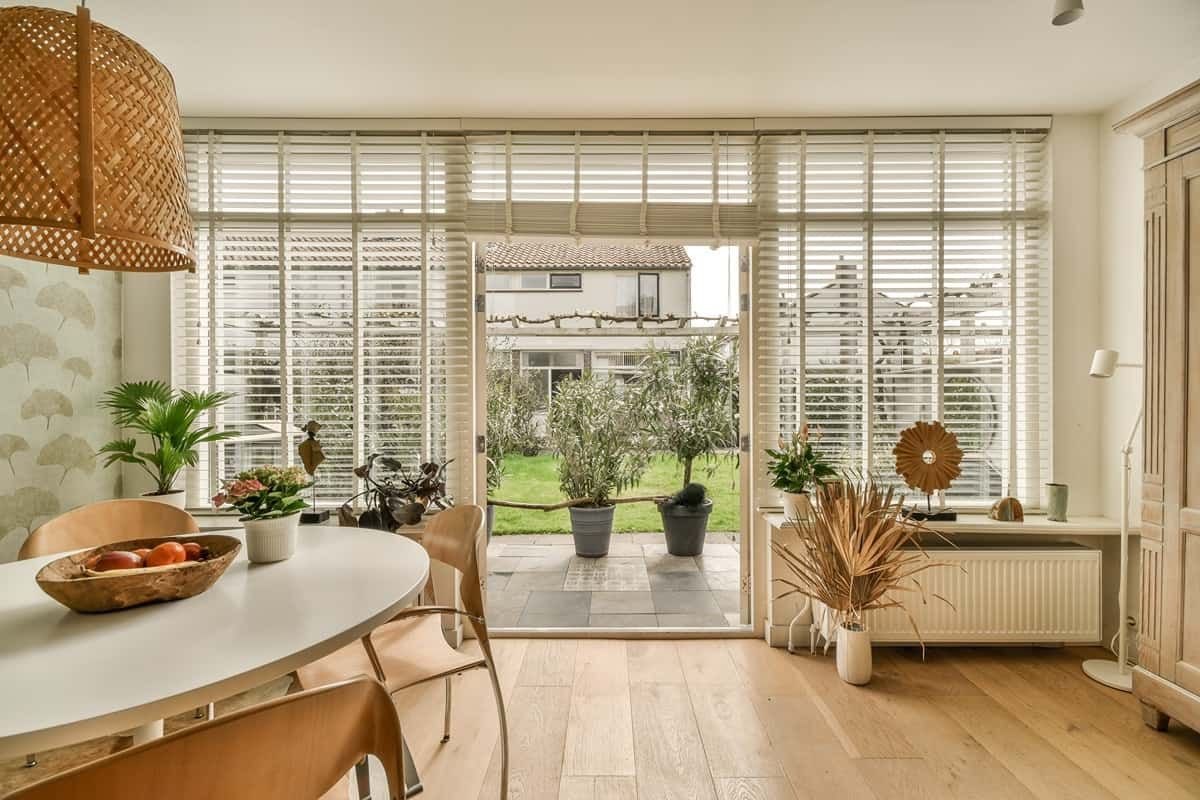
684,527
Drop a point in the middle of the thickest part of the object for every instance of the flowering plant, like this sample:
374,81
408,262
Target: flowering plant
264,492
795,466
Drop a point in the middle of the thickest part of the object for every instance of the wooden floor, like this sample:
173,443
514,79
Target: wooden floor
737,720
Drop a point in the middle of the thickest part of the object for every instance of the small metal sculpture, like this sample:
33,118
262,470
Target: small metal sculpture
312,456
928,458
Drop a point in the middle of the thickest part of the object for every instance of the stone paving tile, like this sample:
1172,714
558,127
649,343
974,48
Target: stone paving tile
538,551
502,563
559,620
719,550
648,538
692,621
685,602
542,602
555,538
720,581
709,563
608,574
729,601
622,603
497,580
665,563
678,581
734,619
526,581
548,564
624,550
511,538
622,621
503,619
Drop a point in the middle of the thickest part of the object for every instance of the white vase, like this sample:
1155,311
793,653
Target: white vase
176,498
854,655
796,505
270,540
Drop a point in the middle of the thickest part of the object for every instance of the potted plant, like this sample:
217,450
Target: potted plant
685,520
855,552
687,402
269,500
795,468
599,455
155,410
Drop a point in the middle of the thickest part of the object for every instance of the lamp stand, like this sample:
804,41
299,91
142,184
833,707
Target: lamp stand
1116,674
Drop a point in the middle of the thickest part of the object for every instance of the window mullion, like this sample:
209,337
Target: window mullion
281,247
869,279
939,387
215,449
356,333
1013,484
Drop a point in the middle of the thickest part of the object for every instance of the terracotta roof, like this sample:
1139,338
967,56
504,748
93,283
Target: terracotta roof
530,255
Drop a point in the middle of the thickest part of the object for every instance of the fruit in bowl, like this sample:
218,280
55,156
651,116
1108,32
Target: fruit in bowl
162,555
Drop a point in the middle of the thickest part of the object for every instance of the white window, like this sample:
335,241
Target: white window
904,277
330,285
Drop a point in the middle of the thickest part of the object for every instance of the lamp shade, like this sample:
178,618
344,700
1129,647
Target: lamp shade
1104,364
91,152
1066,11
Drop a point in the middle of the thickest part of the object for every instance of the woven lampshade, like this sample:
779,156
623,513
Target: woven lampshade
91,151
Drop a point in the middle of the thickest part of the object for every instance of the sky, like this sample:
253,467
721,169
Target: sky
714,280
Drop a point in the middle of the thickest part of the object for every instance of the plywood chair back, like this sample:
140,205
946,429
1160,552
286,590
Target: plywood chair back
106,522
294,747
456,537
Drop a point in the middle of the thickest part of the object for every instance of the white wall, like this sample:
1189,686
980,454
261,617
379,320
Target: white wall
1074,143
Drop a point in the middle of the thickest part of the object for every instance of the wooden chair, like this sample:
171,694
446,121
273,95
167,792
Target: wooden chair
294,748
410,649
104,523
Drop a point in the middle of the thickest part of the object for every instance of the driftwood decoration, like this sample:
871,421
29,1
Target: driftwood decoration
578,501
928,457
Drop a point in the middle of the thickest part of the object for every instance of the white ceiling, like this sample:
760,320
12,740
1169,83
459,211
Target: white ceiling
395,58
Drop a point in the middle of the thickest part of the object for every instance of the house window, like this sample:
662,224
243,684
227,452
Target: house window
566,280
627,295
550,367
905,277
647,294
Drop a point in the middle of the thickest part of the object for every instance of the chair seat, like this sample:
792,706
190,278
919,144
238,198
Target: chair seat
410,650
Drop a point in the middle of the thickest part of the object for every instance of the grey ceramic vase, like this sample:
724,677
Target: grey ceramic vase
1056,502
592,530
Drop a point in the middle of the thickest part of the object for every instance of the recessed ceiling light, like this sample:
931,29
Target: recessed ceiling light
1067,11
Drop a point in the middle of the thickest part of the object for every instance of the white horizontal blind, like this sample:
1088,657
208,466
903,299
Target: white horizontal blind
694,187
333,285
904,276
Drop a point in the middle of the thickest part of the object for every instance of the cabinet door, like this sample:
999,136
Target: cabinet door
1181,546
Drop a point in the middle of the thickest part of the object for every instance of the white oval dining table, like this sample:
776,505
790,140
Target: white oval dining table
66,677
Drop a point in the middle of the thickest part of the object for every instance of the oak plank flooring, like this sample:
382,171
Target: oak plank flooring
964,723
600,736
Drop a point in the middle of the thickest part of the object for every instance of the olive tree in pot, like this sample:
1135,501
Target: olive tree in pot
687,401
600,454
512,400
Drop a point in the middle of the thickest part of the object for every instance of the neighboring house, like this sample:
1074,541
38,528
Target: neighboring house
539,281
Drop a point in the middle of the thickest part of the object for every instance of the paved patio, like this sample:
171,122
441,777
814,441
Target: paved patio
537,581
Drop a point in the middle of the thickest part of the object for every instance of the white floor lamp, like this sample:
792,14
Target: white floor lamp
1116,673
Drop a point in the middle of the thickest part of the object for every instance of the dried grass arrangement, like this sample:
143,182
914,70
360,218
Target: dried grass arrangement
856,552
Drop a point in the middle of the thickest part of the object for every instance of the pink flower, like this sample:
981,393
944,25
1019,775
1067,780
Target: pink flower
219,500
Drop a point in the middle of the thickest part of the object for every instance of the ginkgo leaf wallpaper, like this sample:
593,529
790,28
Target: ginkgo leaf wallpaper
60,350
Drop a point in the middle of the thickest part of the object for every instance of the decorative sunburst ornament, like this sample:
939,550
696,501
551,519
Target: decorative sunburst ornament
928,458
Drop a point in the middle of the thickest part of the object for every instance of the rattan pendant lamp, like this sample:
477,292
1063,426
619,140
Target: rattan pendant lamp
91,151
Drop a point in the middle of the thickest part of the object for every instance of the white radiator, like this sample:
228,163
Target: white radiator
1000,595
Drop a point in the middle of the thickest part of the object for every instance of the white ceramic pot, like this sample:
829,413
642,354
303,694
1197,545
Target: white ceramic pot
854,655
270,540
796,505
177,498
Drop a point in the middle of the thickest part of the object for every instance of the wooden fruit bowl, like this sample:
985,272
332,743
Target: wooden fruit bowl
70,583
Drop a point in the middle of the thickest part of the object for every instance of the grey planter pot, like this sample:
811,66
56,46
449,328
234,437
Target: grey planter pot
491,519
685,527
592,529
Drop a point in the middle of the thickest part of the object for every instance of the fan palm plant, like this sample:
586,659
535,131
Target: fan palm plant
155,410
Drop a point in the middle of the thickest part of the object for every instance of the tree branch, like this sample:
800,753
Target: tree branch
578,501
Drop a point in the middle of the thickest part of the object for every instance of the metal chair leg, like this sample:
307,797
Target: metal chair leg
446,725
362,774
503,728
31,761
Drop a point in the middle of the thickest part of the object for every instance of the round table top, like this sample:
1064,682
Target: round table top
66,677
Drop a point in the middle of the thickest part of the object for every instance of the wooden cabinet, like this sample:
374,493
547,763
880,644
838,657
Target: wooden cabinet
1167,679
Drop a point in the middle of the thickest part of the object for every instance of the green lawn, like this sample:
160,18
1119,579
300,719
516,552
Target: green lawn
534,479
